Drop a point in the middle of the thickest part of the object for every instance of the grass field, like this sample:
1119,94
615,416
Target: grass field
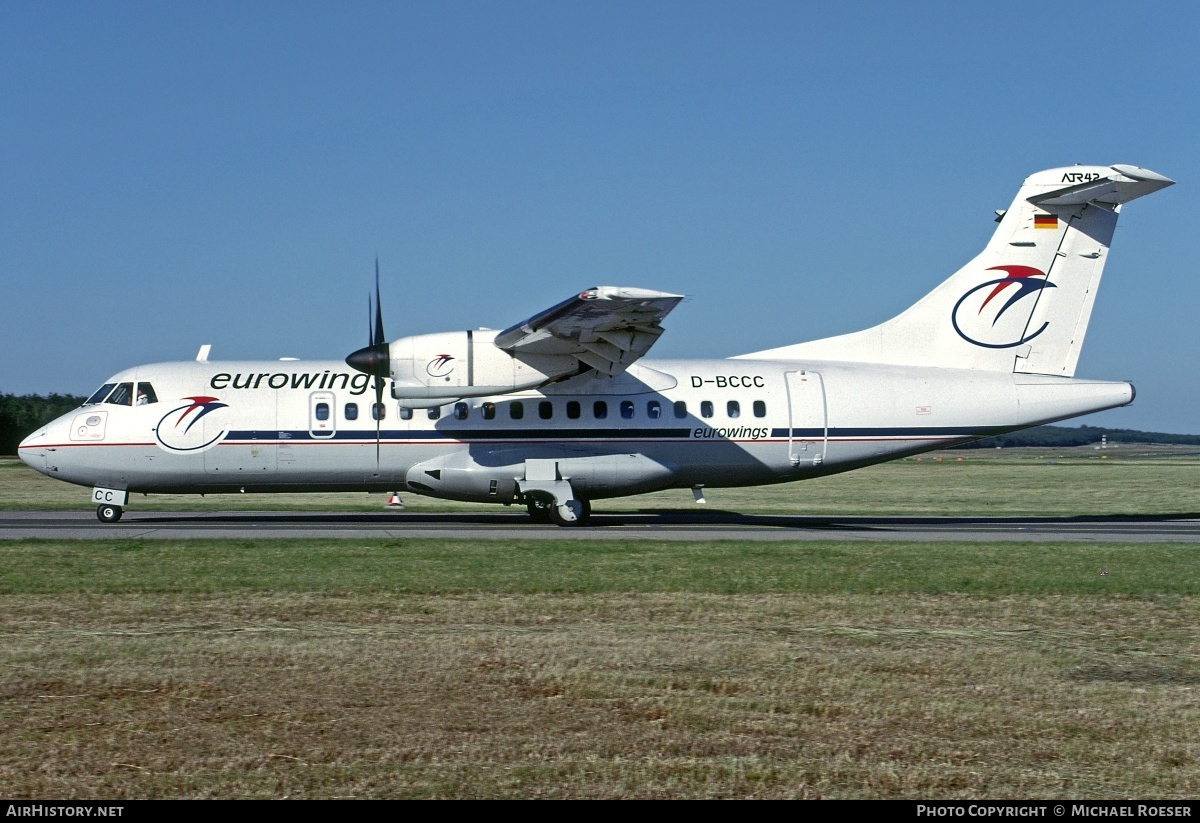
411,668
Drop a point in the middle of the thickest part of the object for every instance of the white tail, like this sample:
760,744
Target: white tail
1023,304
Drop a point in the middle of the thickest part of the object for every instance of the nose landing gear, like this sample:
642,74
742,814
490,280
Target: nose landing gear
109,513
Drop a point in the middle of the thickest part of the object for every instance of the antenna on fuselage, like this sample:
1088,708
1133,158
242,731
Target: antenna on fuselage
202,355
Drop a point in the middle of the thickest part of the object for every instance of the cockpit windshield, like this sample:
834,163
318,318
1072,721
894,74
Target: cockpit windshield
100,394
122,394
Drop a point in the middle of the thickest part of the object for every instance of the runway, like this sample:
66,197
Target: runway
664,525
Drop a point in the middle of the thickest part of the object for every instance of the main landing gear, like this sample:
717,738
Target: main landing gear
108,513
544,509
549,496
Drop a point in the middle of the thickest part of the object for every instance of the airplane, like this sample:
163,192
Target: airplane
560,409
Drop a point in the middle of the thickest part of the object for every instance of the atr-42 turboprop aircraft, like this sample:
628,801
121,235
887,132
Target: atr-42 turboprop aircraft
554,412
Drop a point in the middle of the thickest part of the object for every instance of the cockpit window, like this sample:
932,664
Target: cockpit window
100,394
122,395
146,395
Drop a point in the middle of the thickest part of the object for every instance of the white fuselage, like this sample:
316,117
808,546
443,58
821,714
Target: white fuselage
308,426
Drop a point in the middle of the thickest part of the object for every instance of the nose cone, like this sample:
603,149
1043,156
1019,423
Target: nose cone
32,451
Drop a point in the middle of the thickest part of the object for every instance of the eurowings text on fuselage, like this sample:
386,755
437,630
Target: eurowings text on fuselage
560,410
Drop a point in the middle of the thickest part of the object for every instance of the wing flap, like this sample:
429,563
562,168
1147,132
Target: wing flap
605,328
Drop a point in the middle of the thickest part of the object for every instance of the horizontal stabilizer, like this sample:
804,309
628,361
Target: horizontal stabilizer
1123,184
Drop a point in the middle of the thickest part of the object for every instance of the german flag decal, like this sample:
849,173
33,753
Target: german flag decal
1045,221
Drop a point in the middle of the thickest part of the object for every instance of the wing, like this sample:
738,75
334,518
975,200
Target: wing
606,328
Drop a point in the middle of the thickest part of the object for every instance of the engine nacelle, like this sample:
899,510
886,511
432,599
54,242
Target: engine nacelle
451,365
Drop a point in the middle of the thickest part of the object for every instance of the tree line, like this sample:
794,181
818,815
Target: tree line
21,415
1061,436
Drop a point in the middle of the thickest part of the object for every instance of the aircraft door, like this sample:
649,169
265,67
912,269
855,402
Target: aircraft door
808,420
322,415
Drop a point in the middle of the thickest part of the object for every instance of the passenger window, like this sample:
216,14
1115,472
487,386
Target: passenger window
573,409
405,413
654,410
351,411
122,395
460,411
706,408
146,395
733,409
627,409
760,408
489,411
322,411
100,394
378,411
599,410
516,410
435,412
680,409
545,409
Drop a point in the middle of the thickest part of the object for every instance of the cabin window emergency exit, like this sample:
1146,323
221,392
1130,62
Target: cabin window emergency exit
322,422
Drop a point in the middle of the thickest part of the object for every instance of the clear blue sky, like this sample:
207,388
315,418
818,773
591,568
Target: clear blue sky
225,172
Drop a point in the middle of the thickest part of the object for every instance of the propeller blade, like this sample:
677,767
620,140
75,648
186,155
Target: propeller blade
379,335
373,359
378,414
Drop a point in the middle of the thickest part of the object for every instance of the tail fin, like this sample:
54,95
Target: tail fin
1023,304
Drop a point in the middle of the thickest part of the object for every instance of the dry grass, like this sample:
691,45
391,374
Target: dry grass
603,695
143,669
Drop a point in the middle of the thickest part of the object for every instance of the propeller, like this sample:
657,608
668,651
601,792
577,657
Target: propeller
373,359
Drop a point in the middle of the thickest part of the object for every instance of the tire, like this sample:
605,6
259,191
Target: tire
575,513
108,514
539,511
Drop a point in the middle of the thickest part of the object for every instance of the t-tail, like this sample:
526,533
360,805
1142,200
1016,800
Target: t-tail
1023,304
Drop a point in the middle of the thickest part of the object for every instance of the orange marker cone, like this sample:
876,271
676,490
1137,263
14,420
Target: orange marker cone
395,502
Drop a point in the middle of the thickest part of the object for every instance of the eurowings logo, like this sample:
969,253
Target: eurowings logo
440,366
177,430
982,316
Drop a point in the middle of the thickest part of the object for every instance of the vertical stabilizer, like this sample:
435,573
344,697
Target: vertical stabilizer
1023,304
